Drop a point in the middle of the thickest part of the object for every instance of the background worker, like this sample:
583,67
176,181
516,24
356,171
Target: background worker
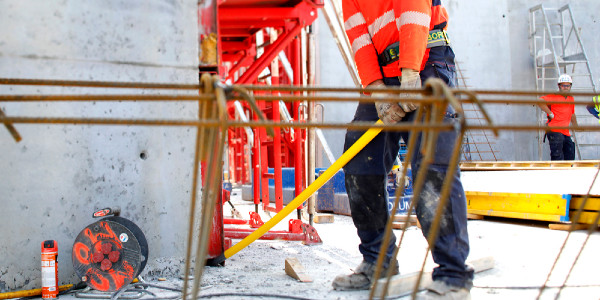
561,145
403,42
594,108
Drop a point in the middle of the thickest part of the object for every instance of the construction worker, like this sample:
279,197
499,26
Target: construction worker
403,42
561,145
594,108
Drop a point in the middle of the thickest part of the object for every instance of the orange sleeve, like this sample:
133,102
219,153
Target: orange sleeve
413,19
365,55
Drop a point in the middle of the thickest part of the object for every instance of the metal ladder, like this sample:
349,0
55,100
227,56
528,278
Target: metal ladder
556,46
478,145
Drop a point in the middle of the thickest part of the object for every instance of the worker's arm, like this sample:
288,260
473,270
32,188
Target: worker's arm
574,121
544,107
414,20
591,108
365,54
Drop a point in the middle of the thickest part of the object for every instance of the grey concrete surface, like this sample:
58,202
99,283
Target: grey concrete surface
53,180
524,252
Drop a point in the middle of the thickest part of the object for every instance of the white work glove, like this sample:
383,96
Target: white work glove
388,112
410,79
551,116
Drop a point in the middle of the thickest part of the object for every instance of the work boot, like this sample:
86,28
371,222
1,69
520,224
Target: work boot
361,279
439,290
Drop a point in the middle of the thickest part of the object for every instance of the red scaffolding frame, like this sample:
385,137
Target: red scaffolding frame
242,56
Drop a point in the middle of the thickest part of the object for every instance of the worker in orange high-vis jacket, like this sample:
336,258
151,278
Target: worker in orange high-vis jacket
403,42
560,114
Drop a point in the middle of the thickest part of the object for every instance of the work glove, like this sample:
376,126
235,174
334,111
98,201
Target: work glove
410,79
388,112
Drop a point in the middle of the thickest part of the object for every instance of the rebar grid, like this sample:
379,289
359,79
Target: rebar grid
213,123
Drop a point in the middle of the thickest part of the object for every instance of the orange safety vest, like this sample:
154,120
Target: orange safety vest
373,25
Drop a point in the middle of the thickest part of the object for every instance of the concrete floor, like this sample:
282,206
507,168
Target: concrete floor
524,252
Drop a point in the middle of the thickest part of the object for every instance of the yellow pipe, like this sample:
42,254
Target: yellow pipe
338,164
30,293
37,292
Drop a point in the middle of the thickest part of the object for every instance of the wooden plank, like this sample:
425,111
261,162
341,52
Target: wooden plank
402,285
567,227
474,216
399,221
294,269
403,218
323,218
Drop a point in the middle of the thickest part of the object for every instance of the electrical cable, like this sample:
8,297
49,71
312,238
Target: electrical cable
536,287
253,295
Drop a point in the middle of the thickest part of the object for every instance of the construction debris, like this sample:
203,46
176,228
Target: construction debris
402,285
294,269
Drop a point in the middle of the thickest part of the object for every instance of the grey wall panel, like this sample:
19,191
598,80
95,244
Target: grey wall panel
53,180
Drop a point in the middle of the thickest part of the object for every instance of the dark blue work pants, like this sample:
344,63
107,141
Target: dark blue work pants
561,146
365,182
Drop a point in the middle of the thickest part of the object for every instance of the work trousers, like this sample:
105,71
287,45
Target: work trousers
561,146
365,179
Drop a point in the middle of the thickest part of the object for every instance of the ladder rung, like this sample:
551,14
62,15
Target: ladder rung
268,175
570,62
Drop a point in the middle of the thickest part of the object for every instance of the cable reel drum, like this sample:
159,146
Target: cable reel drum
110,253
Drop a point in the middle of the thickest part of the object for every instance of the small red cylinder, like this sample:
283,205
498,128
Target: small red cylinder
49,269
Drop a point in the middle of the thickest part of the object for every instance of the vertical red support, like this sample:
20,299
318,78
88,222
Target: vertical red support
216,242
276,140
298,153
264,159
238,154
216,245
256,157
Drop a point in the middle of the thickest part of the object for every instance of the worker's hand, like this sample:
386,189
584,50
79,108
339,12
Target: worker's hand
550,116
388,112
410,79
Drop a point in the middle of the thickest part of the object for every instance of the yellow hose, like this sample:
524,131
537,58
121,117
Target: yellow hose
338,164
29,293
37,292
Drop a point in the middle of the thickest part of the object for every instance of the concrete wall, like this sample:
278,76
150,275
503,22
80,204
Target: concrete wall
52,181
490,39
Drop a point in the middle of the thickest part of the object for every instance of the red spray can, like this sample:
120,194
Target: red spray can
49,269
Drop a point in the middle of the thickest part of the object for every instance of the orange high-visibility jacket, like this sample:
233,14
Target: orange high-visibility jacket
372,25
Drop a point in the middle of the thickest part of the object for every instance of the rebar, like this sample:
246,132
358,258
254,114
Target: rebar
212,124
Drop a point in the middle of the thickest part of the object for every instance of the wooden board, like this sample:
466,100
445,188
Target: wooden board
294,269
323,218
399,221
568,227
474,216
402,285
